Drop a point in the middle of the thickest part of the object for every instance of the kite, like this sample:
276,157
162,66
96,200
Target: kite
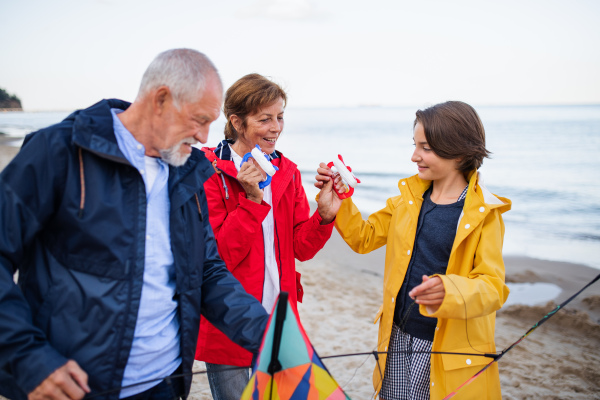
288,367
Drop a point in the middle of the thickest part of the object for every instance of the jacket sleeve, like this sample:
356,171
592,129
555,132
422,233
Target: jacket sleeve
364,236
235,231
225,303
27,200
309,235
483,290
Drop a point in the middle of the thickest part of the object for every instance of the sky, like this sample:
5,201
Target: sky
68,54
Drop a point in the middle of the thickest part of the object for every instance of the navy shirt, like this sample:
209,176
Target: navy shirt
436,230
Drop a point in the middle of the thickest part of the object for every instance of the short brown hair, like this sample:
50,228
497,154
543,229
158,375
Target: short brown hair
453,130
247,96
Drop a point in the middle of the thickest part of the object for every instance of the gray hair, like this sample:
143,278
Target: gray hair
183,71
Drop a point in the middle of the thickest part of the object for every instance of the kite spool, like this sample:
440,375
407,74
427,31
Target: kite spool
348,179
263,161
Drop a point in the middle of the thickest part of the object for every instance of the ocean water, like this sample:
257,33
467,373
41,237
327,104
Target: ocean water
546,159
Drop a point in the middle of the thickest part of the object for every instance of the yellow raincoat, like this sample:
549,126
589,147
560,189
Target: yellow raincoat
474,281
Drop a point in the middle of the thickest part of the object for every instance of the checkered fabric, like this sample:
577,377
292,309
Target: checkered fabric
406,373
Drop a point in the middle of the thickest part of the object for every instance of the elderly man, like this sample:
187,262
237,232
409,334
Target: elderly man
104,216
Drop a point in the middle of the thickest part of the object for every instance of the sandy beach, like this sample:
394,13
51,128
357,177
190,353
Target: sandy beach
560,360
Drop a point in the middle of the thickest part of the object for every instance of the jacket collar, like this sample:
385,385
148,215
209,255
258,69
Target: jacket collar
221,159
224,160
414,187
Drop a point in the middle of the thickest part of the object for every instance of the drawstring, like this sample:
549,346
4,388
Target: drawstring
218,171
198,204
82,182
225,187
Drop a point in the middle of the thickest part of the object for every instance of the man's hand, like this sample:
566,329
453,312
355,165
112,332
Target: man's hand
430,293
67,382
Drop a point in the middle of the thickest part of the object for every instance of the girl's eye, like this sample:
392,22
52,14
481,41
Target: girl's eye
426,149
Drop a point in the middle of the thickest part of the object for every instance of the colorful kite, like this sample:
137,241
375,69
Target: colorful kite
288,367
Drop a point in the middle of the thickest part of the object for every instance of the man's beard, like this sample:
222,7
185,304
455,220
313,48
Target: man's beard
173,155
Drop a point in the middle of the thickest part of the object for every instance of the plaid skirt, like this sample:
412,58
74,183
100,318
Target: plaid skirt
407,367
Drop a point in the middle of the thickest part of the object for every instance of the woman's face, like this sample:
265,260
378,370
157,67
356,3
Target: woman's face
262,128
431,167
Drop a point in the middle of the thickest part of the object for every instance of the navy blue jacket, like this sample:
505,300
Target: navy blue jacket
73,222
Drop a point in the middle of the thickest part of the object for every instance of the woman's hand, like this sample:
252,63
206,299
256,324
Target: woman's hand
430,293
329,203
249,177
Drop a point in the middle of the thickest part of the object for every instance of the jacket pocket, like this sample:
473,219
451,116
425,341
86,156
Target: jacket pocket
457,361
299,288
379,314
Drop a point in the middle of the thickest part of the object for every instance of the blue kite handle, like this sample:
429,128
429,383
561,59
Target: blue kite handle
266,182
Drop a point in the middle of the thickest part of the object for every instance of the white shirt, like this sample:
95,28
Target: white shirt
271,283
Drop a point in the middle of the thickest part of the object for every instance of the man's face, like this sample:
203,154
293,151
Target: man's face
189,125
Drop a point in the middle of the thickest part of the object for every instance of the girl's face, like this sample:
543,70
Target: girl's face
262,128
431,167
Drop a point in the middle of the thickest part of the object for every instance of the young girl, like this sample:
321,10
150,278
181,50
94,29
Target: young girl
444,234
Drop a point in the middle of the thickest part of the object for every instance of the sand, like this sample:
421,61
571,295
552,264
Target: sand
559,360
6,152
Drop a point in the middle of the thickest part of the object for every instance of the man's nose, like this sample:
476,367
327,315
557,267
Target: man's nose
202,135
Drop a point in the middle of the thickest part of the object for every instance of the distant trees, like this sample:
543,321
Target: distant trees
9,101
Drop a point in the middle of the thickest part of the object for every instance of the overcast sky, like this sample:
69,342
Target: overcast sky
68,54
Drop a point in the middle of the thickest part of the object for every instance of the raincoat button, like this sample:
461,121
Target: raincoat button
410,202
468,361
385,348
392,299
481,209
431,383
408,253
467,226
403,183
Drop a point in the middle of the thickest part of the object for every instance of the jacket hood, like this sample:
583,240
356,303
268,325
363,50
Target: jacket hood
93,129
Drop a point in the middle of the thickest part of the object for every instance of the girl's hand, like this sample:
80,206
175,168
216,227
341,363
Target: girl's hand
329,203
249,177
430,293
325,174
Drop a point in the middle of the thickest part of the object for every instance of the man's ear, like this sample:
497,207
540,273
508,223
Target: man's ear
161,98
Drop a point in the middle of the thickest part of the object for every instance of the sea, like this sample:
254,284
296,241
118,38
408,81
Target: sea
546,159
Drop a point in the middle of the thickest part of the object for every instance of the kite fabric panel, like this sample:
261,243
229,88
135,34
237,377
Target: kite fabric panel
288,367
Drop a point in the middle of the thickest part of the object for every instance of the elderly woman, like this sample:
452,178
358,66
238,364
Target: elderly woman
259,232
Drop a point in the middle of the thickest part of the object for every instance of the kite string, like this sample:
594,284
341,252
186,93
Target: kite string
534,327
375,353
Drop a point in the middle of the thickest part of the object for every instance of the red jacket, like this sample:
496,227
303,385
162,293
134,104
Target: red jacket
237,223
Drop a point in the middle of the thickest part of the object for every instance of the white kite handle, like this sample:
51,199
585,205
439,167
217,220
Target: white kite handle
344,172
260,158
